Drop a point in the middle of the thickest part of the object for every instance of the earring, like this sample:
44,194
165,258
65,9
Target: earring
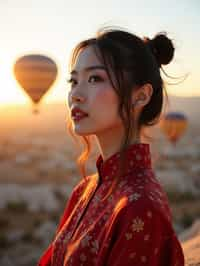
138,102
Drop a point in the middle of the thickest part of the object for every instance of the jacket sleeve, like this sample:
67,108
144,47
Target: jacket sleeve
144,238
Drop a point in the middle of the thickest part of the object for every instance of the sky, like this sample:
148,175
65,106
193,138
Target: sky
53,28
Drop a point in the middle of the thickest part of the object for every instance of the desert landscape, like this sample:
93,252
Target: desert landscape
38,171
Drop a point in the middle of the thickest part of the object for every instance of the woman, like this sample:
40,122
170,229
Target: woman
120,216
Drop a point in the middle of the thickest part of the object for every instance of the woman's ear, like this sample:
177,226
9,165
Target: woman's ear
142,95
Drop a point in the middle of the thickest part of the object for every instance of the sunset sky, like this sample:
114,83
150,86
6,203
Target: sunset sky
54,27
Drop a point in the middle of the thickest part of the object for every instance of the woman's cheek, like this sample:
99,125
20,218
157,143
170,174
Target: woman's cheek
106,95
105,104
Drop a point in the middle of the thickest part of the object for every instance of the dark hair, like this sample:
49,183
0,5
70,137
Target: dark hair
134,62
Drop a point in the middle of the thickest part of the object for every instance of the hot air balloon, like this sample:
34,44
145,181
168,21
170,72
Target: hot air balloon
173,125
35,73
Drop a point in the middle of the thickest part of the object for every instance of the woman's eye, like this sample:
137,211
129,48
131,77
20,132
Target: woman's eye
95,78
72,81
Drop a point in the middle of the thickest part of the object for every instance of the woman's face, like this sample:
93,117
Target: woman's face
91,91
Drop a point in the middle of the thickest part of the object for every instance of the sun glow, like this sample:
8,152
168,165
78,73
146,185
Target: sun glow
11,92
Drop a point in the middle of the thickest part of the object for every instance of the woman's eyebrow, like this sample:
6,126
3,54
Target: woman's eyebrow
87,69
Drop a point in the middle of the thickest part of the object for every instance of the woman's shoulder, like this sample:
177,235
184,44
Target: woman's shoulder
75,195
143,190
139,208
83,183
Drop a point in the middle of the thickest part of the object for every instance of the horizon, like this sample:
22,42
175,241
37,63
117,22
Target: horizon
43,102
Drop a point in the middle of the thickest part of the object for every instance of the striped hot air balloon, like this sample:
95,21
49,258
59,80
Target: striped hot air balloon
173,125
35,73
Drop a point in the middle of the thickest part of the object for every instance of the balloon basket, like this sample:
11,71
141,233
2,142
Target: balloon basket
35,111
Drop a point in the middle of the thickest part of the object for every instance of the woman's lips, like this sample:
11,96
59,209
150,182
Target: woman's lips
79,116
77,111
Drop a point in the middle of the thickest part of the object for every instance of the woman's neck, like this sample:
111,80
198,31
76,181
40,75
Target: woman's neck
111,144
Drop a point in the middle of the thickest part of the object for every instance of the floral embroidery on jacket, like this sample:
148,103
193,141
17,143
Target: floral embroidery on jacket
138,225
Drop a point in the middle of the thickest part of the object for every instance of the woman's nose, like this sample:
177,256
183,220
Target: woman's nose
77,98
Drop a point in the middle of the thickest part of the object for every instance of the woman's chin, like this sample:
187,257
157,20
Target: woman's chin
81,131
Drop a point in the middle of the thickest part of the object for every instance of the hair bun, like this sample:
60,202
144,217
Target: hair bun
162,48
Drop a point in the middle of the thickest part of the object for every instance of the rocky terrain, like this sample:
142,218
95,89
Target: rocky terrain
38,172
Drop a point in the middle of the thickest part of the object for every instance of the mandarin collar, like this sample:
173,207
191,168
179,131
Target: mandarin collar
137,156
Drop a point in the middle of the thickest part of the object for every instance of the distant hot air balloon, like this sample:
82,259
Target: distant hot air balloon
36,74
173,125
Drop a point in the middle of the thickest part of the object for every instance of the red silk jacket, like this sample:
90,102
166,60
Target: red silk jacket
133,227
